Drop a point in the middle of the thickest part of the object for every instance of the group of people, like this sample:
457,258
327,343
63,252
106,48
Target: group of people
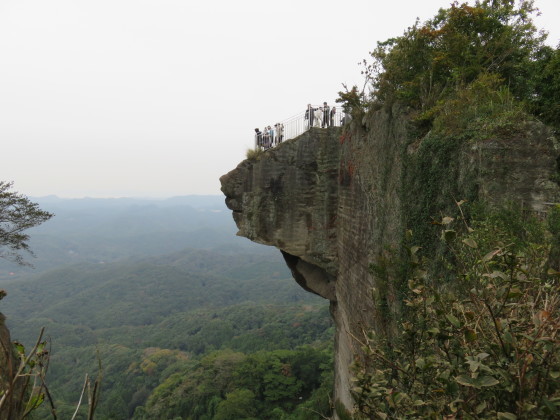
269,137
323,116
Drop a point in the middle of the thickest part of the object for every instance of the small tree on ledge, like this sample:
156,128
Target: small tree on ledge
17,214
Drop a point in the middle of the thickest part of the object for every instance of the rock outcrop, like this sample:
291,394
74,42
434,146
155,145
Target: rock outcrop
12,392
333,201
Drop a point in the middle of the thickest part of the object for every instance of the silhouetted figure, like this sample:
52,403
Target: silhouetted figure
326,116
280,132
266,138
258,138
310,115
270,136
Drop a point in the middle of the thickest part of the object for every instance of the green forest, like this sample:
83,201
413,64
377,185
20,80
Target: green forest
471,67
214,331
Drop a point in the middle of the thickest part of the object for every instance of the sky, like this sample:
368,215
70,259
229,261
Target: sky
159,98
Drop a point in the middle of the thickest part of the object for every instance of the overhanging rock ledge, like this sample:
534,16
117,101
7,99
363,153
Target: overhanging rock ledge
334,200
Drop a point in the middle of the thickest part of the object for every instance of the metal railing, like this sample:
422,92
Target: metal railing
298,124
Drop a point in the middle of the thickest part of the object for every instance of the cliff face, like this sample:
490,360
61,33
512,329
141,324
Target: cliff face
12,406
334,202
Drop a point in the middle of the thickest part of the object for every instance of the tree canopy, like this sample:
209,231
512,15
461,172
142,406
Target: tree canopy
433,60
17,214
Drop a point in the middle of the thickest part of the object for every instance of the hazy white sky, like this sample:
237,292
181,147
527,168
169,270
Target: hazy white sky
155,98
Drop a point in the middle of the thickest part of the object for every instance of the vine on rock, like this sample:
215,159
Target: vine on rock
484,346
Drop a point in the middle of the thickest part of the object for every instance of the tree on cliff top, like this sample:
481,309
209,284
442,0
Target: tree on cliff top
433,60
17,214
454,48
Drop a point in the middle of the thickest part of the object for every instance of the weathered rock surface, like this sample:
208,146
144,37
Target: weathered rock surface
333,203
12,406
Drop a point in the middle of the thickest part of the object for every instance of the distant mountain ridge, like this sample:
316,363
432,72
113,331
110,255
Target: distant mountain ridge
96,230
195,201
143,291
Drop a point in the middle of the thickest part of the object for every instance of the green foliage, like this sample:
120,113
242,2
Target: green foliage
291,384
434,170
454,48
341,411
156,321
428,66
353,102
553,222
152,319
239,404
137,360
24,389
140,293
28,386
17,214
254,154
545,103
483,346
483,108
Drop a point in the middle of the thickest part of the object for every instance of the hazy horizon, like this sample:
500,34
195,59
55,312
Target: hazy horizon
56,196
123,98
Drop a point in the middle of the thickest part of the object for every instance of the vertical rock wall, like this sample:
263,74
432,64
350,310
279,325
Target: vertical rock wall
335,202
12,407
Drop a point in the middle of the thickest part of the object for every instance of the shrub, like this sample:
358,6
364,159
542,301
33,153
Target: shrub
431,61
483,346
254,154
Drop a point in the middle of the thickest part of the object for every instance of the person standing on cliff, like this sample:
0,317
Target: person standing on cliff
309,115
275,135
333,114
280,132
258,138
326,116
265,138
271,136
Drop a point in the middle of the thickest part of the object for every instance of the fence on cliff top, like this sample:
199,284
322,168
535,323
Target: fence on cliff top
298,124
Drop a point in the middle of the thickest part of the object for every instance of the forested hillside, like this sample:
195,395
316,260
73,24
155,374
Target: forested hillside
105,230
162,322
